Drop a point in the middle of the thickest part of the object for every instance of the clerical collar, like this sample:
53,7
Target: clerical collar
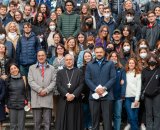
69,68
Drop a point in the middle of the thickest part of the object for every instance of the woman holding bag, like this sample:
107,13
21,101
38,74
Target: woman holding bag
151,91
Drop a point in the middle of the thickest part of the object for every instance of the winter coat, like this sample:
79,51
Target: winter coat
37,83
27,49
16,92
69,24
104,75
151,34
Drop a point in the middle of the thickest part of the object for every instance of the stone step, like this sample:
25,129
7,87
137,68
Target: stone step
28,122
28,126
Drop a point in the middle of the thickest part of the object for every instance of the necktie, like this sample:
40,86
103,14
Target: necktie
42,71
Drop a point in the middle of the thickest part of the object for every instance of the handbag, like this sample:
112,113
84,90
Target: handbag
143,93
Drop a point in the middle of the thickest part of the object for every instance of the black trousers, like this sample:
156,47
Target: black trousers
101,106
152,112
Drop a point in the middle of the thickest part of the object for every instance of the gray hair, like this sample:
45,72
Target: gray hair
70,56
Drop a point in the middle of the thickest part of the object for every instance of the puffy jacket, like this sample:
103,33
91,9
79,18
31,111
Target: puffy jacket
16,92
27,49
5,20
69,24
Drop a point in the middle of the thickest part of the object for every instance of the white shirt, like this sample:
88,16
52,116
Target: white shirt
133,88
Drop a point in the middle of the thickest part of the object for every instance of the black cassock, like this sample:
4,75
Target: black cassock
69,114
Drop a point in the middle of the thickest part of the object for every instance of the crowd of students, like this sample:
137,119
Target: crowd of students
34,32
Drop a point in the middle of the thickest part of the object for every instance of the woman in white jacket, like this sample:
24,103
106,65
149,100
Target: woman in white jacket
133,90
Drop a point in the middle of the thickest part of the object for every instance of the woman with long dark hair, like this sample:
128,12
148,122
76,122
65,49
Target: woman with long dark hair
87,26
103,37
82,39
39,28
127,35
126,52
44,9
119,89
33,5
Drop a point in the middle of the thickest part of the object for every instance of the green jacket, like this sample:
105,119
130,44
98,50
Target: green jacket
69,24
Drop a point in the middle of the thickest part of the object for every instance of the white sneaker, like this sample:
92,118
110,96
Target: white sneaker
127,127
143,127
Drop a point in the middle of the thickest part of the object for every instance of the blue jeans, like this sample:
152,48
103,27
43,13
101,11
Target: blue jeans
87,116
117,114
132,113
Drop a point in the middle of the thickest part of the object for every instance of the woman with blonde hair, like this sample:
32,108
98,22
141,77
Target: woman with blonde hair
72,48
13,33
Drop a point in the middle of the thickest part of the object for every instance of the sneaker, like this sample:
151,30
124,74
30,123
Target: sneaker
143,127
127,127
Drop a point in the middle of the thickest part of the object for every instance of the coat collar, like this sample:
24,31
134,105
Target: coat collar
103,61
46,65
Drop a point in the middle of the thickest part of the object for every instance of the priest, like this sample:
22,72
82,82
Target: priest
69,84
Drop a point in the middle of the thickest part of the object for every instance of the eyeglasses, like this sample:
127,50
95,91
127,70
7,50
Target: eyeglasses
105,31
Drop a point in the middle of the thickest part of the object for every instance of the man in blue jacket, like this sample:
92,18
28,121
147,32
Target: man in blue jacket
100,76
27,48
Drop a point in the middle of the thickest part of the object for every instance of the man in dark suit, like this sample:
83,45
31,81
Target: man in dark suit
100,76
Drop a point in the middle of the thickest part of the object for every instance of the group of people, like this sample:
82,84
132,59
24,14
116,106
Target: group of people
86,62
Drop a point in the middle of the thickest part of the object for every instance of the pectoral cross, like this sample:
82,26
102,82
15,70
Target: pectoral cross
69,85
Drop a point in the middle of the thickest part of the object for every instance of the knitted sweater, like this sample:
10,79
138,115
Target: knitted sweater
133,88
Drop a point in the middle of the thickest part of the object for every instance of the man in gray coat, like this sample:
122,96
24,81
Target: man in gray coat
41,78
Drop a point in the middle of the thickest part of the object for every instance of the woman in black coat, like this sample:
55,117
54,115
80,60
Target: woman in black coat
151,92
16,97
39,28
